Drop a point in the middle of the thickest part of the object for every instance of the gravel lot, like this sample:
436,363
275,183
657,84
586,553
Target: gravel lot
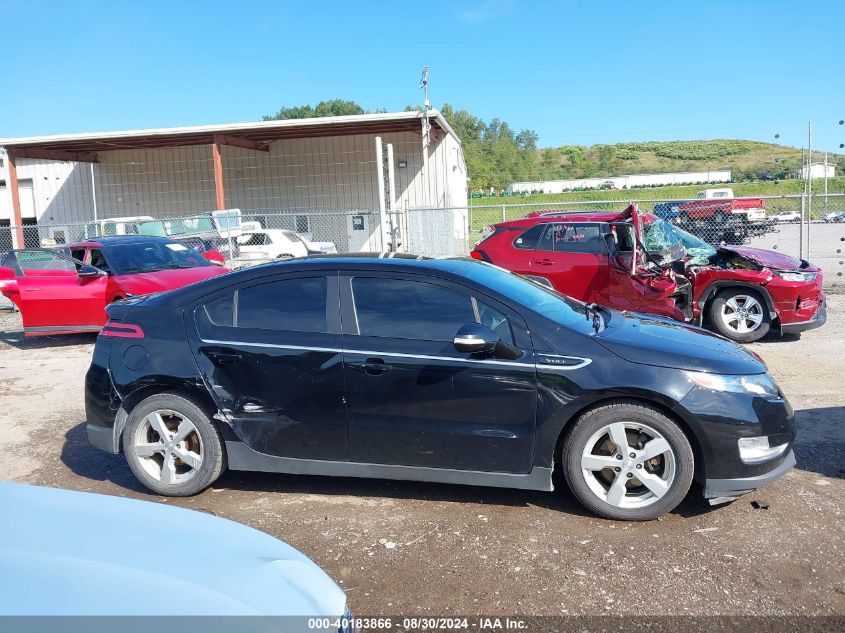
409,548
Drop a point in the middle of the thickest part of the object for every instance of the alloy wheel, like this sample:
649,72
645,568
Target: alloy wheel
628,465
742,314
168,447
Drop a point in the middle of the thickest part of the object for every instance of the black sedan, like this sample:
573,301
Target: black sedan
430,370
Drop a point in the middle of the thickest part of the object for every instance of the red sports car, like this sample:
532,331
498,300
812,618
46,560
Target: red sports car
640,262
64,290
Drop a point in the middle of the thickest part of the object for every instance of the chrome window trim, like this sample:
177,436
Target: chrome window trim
583,362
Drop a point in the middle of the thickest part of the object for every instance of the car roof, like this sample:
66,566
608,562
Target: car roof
572,216
114,240
394,261
567,216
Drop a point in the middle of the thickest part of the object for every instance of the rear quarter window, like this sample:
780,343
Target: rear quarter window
528,239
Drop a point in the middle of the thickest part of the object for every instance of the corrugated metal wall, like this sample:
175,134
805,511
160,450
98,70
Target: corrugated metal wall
313,175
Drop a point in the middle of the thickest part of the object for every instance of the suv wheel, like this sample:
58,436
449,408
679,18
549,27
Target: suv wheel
740,315
172,446
627,461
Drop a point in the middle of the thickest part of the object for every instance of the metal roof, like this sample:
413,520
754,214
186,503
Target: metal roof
260,131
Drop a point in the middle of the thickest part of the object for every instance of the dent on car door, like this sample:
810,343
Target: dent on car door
269,352
54,296
413,399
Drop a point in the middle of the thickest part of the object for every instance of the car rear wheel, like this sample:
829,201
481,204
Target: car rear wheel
740,315
172,446
627,461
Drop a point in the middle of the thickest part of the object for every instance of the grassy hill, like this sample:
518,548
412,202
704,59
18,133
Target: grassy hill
748,160
489,210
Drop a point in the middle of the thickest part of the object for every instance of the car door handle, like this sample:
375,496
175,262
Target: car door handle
224,358
544,262
371,366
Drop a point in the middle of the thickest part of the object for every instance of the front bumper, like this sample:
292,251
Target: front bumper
714,488
818,320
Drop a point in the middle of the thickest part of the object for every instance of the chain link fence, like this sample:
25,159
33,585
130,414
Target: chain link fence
808,227
229,237
771,223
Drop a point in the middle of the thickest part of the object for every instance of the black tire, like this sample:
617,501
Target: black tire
205,437
720,304
634,414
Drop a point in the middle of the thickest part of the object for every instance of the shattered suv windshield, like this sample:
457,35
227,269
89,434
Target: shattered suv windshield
660,235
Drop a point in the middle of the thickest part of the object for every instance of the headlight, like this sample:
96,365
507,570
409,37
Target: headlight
793,276
757,384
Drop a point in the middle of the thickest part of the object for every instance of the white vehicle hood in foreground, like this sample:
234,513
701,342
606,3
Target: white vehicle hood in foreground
74,553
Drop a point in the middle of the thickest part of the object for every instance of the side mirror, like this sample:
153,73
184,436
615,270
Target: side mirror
87,272
474,338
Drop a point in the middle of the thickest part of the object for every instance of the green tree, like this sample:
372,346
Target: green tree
334,107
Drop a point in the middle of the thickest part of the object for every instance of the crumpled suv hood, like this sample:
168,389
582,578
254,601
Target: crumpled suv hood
767,259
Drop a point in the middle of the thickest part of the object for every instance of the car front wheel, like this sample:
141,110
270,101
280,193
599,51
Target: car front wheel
172,446
627,461
740,315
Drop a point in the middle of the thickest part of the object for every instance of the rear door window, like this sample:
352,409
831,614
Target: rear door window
577,237
293,305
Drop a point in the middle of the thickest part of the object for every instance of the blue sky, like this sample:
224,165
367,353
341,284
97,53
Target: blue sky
576,72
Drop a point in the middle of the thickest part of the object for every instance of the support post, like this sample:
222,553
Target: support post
17,219
391,187
382,213
219,190
93,192
424,169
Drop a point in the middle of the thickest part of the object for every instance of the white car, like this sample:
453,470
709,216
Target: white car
67,553
787,216
319,247
271,244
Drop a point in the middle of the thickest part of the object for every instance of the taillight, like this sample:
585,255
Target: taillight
122,330
476,255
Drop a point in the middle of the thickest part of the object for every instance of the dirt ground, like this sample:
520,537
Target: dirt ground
403,548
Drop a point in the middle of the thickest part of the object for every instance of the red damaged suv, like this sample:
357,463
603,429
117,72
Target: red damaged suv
642,263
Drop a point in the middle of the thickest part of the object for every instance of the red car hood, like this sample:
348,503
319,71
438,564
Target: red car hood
769,259
160,280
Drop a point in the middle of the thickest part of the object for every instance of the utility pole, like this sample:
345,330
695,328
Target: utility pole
426,132
825,183
809,181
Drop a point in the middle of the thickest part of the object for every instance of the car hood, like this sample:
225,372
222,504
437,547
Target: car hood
761,257
74,553
161,280
651,340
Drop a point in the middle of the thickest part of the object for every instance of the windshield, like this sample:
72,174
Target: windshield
195,224
545,301
152,227
126,259
659,235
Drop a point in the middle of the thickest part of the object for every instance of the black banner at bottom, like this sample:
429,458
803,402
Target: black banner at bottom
423,624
